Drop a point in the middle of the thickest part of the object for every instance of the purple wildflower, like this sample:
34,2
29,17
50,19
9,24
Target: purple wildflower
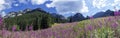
110,18
116,13
100,25
89,27
30,27
114,25
16,35
91,17
4,32
14,28
26,28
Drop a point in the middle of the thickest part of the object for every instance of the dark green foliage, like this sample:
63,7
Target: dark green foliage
38,19
70,19
87,17
59,18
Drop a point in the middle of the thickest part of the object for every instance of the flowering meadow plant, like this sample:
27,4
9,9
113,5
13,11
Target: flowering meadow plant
107,27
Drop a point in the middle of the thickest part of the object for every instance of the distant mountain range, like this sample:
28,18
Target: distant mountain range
79,17
104,14
60,18
76,17
41,19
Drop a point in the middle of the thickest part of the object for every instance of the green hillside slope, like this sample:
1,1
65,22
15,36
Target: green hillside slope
106,27
37,19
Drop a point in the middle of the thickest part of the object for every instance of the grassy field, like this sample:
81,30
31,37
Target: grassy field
106,27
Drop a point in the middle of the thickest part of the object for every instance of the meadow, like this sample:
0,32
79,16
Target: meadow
105,27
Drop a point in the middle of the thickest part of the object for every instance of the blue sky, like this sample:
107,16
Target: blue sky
63,7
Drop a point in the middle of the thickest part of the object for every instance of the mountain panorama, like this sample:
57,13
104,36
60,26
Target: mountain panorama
76,16
41,19
59,18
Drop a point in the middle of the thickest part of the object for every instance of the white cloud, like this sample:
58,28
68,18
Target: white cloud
2,1
38,2
66,6
84,7
34,2
50,5
1,7
23,1
3,14
99,3
106,4
4,4
116,2
16,4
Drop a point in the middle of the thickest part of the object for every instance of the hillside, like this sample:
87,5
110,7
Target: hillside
106,27
38,19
